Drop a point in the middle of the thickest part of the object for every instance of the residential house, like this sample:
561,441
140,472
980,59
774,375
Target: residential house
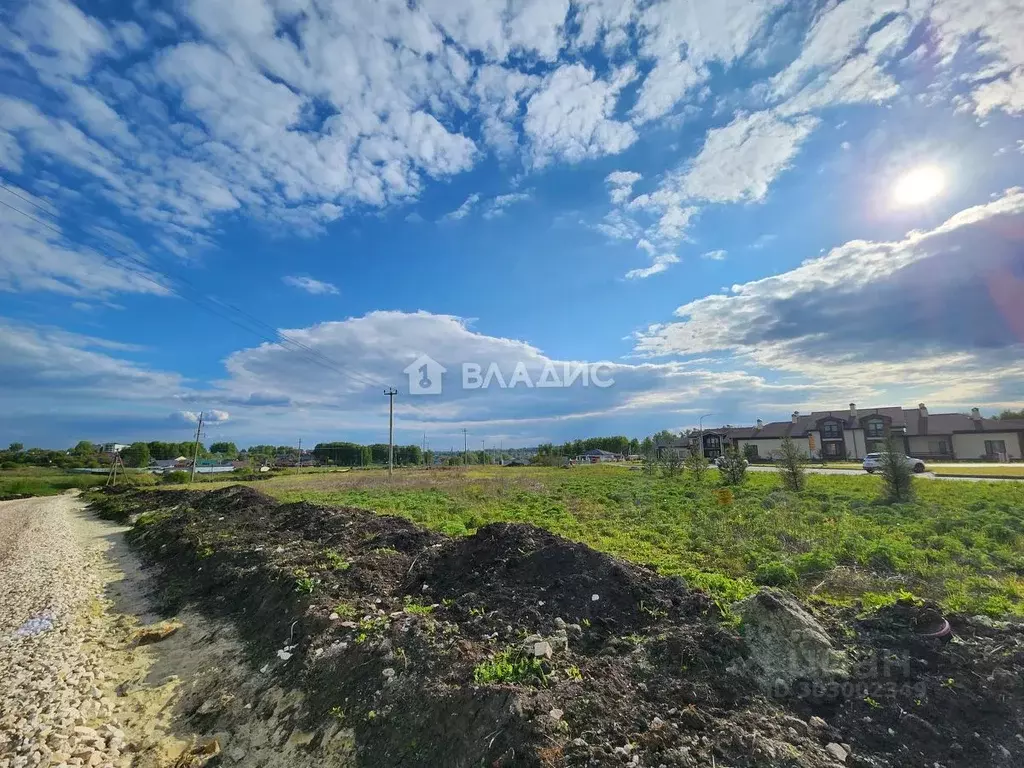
111,448
597,456
854,433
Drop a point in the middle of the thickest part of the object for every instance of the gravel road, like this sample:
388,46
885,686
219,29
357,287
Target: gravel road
53,708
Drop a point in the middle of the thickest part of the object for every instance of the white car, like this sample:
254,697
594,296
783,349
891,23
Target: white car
873,461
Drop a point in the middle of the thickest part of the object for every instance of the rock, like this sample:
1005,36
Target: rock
559,641
154,633
817,723
1003,679
919,727
786,643
556,714
237,754
541,650
837,751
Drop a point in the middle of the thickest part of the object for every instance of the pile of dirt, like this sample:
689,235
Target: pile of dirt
513,646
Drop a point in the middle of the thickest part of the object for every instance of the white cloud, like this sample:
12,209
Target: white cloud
620,185
718,255
570,117
34,257
308,284
463,210
496,207
660,264
211,416
995,30
739,161
877,310
670,80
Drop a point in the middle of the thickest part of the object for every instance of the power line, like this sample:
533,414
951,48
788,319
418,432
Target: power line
287,342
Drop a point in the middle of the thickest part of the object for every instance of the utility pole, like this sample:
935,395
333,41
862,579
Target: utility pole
465,447
299,464
195,450
391,392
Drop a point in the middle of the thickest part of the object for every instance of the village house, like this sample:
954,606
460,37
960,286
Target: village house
853,433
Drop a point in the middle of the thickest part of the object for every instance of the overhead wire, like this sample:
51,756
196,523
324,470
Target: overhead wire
143,269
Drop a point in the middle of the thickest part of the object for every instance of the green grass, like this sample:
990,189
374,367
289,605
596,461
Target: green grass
961,544
1001,470
509,666
38,481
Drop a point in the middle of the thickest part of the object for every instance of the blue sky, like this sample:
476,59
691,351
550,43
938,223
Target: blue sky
702,195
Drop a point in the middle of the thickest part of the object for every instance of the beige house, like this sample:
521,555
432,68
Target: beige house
854,433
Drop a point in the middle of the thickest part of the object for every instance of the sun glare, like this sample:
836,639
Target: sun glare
919,185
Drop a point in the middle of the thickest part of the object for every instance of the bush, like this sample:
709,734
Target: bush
175,478
897,477
791,466
814,562
750,453
775,575
696,465
733,467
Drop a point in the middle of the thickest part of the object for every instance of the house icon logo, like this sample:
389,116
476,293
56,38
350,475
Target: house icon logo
424,376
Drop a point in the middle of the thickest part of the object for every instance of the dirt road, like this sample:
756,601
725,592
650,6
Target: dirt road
51,685
77,688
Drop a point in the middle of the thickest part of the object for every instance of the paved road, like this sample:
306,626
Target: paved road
925,475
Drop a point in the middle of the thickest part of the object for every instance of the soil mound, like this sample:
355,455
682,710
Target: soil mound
490,649
531,576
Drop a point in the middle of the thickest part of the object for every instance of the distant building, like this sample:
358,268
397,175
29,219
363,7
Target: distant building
597,456
111,447
854,433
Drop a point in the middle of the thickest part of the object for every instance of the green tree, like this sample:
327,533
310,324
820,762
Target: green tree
897,474
83,448
483,457
732,467
224,449
428,458
1012,414
790,463
16,447
136,455
455,460
750,452
697,465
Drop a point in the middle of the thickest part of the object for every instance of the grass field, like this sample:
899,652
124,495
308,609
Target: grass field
961,544
41,481
999,470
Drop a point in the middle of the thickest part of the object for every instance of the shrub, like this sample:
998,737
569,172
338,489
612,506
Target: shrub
697,465
175,478
750,452
733,467
510,666
814,562
897,477
775,575
672,465
791,462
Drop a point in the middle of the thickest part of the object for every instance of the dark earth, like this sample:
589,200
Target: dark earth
386,623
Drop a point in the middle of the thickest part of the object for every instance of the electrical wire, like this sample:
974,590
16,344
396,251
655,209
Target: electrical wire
142,269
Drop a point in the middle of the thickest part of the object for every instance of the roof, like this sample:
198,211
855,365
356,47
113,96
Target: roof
599,452
910,418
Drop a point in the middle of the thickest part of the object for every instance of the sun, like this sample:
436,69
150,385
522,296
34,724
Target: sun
919,186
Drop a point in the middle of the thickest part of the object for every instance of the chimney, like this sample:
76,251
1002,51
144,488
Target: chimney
922,410
796,415
853,410
975,414
760,424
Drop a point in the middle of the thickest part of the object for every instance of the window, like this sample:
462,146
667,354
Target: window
938,447
875,446
831,449
830,431
875,428
712,441
994,447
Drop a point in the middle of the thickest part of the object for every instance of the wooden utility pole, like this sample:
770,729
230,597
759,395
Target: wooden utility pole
195,450
465,447
391,392
299,463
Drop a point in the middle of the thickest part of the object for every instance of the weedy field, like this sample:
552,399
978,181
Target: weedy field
959,544
39,481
